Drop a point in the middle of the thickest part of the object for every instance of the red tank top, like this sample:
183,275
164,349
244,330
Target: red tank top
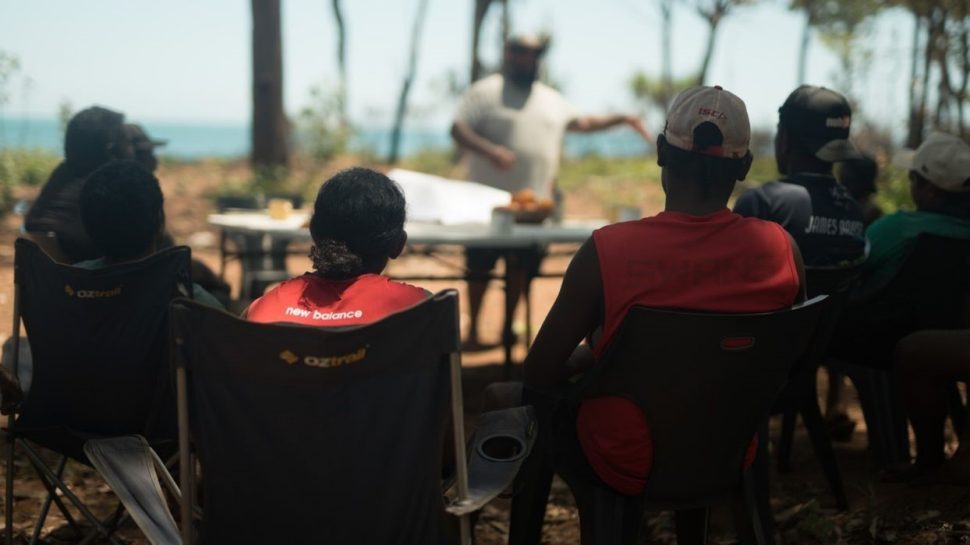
721,262
316,301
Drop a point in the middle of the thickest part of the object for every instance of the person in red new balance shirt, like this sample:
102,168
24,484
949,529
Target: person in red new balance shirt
695,255
357,226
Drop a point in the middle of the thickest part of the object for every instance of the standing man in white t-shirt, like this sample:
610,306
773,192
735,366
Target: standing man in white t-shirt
513,127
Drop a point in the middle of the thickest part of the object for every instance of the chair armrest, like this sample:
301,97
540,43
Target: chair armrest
501,442
129,466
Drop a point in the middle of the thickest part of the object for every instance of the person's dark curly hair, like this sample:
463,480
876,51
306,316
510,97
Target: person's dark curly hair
91,139
122,209
357,223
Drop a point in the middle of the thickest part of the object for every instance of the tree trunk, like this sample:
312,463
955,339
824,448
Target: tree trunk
481,8
269,125
708,51
965,81
402,102
666,66
914,128
803,46
338,18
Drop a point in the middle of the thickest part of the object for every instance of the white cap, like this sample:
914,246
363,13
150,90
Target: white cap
944,160
699,105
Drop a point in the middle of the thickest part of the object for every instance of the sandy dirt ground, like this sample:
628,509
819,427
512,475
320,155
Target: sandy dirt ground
803,506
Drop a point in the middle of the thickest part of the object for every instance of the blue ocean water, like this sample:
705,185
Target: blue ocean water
228,140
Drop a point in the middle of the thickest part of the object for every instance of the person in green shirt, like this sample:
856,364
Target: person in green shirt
122,211
940,186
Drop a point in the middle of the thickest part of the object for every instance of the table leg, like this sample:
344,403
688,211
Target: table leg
508,338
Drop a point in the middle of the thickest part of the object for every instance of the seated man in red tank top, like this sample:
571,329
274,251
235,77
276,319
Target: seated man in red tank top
695,255
357,226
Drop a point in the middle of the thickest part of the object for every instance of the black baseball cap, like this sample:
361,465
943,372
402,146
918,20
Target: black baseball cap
819,119
140,139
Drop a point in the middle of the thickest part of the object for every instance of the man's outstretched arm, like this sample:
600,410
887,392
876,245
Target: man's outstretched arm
593,123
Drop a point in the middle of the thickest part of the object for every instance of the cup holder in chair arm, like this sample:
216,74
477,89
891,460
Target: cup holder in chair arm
490,471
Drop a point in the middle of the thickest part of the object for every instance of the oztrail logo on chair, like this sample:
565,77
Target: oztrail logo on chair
91,294
325,361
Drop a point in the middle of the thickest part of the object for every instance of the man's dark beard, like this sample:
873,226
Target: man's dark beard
521,78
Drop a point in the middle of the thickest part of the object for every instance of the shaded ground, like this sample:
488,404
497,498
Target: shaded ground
879,513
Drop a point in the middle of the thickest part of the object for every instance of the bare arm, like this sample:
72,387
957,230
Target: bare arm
465,136
593,123
578,310
800,268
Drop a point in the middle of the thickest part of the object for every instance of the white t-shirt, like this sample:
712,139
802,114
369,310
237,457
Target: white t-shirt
530,122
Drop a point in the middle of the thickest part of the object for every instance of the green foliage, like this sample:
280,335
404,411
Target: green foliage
321,132
9,66
893,190
26,166
651,92
65,111
23,167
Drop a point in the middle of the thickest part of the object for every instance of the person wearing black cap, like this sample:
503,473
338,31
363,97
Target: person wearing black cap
143,146
821,215
94,137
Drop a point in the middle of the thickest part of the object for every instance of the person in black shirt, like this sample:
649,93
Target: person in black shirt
823,217
94,137
820,214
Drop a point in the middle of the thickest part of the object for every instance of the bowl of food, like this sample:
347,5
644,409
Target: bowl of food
526,208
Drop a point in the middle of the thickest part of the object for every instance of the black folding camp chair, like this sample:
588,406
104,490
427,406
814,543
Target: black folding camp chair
100,365
705,383
929,292
310,435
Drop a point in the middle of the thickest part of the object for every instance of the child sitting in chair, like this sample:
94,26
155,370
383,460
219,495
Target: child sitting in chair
357,226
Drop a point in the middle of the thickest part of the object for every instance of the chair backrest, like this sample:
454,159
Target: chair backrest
705,383
98,340
323,435
930,289
48,243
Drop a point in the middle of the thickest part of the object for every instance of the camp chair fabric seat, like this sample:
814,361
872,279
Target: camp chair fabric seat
99,360
312,435
131,468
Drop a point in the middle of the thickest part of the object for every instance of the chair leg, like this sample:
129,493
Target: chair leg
51,495
752,505
867,383
692,526
759,476
822,443
52,482
8,508
957,409
46,507
788,419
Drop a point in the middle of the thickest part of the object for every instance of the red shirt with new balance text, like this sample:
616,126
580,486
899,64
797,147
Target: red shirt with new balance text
721,262
316,301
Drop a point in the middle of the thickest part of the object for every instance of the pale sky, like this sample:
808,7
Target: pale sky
188,60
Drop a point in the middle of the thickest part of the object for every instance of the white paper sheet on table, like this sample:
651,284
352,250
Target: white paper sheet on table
433,199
